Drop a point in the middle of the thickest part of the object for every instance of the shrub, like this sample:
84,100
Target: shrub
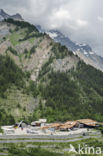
13,51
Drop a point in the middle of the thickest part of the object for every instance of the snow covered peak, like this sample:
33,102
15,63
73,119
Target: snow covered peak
57,36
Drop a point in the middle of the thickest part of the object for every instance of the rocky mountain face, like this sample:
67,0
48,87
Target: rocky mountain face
40,78
30,50
4,15
84,51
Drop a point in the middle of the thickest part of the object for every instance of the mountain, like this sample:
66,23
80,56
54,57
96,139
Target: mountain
4,15
40,78
84,51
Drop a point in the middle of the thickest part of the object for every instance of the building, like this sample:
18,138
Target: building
53,126
39,123
87,123
68,125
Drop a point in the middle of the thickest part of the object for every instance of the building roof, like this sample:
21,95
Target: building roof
88,122
68,124
43,120
54,125
71,124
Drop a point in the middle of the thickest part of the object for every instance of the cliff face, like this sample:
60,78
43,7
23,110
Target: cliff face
32,49
29,50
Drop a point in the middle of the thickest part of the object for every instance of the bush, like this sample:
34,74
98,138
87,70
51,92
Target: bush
60,51
14,150
22,24
6,119
33,88
1,131
33,50
13,51
101,129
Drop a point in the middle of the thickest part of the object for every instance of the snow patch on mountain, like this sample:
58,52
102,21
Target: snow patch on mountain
52,35
91,53
85,53
83,50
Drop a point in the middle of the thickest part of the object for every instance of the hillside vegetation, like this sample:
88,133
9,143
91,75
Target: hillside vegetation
44,79
10,73
74,94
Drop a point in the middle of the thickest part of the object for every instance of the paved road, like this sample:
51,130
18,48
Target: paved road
43,136
52,141
40,136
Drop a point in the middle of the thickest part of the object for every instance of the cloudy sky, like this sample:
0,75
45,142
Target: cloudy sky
81,20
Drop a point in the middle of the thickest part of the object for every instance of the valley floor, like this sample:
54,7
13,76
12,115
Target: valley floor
52,145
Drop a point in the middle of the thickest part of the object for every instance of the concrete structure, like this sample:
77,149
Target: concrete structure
40,122
40,127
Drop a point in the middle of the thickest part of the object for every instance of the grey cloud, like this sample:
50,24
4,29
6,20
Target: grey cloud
81,20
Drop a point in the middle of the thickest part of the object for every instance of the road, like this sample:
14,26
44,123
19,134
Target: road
46,136
40,136
42,140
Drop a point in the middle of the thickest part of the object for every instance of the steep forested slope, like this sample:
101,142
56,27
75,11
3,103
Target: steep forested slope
45,78
10,73
72,94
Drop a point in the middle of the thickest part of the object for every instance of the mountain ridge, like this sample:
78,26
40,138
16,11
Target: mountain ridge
84,51
4,15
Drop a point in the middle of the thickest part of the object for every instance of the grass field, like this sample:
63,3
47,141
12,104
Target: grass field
42,149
